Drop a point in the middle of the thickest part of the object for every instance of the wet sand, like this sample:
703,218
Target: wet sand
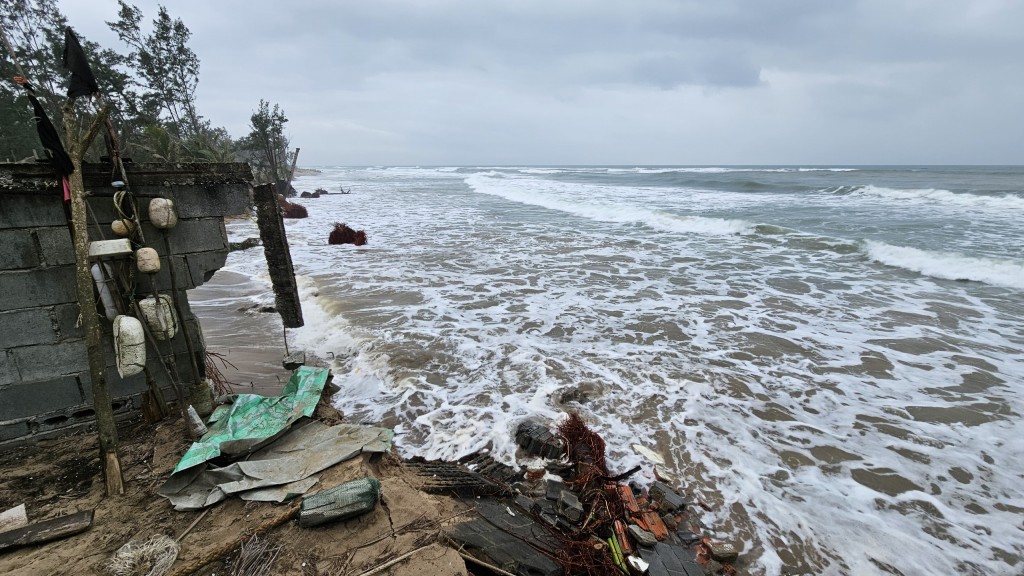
250,340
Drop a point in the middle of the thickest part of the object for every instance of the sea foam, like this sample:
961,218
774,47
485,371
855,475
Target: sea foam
1005,273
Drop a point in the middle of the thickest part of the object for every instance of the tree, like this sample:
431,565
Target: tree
267,146
35,31
167,69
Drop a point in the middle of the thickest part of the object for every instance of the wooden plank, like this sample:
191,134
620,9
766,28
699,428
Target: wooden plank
47,530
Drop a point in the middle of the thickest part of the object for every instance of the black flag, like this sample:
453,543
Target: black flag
83,83
59,159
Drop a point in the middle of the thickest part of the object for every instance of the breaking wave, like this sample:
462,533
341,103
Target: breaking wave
1005,273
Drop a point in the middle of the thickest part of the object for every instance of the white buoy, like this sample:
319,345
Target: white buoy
129,345
147,260
159,316
122,228
162,214
105,296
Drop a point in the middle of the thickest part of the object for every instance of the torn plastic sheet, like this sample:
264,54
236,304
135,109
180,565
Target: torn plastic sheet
251,421
286,465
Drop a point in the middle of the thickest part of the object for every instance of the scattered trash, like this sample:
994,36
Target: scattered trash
535,439
153,557
451,478
347,500
256,557
47,530
13,518
649,454
244,244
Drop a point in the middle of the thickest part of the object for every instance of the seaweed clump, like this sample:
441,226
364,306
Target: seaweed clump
342,234
291,209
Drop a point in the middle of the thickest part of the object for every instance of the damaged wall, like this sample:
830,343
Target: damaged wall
45,387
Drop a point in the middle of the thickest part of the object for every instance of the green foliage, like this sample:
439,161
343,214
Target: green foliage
266,146
35,30
152,88
167,70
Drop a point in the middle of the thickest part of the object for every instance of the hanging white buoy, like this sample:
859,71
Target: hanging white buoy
147,260
159,316
129,345
123,228
105,296
162,213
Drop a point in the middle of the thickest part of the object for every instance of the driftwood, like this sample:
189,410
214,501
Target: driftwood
244,244
342,234
46,530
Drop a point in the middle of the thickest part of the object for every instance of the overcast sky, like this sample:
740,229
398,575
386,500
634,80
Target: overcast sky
471,82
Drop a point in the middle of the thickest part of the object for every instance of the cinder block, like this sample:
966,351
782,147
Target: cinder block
17,249
8,370
203,265
55,247
26,327
31,209
206,201
200,235
31,398
37,287
163,277
45,361
64,320
120,387
13,431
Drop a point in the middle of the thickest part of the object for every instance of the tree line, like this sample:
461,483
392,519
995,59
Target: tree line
151,84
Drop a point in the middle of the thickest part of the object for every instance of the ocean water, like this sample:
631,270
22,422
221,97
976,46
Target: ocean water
831,358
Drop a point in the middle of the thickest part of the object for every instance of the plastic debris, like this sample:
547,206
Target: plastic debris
348,500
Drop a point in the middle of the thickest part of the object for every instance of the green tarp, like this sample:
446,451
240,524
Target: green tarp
272,445
251,420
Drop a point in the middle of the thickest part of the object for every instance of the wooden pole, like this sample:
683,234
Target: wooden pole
295,162
105,426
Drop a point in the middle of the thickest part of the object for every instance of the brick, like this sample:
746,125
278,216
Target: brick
45,361
31,398
37,287
26,327
17,249
28,210
55,248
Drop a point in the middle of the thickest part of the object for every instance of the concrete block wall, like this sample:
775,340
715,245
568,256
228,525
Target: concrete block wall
45,388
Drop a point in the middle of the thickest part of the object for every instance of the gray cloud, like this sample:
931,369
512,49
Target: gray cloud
687,82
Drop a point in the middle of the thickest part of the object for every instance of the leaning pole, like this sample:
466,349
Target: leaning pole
105,426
